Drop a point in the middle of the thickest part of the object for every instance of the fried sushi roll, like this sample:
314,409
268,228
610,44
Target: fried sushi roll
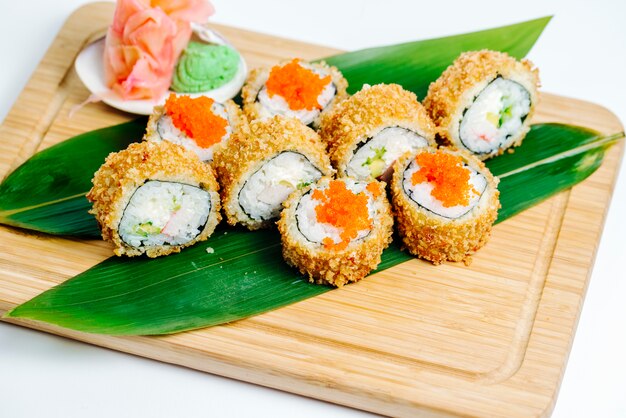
262,166
484,102
336,230
154,199
445,203
199,124
367,132
296,89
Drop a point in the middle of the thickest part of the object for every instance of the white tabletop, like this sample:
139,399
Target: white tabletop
581,54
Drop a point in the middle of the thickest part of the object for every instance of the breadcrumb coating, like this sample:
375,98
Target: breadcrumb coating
249,149
123,172
456,88
332,266
366,113
236,120
433,237
257,78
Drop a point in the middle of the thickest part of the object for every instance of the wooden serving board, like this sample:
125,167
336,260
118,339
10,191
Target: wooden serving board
487,340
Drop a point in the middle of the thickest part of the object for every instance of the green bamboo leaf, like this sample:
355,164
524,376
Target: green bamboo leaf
243,277
415,65
47,192
553,157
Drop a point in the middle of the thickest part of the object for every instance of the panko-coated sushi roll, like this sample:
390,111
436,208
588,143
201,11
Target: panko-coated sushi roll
445,203
154,198
367,132
297,89
336,230
484,102
262,166
199,124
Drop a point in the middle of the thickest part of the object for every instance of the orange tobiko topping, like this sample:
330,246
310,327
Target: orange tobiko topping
344,210
373,189
448,176
299,86
195,118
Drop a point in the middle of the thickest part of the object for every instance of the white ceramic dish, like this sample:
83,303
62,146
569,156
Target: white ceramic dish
90,69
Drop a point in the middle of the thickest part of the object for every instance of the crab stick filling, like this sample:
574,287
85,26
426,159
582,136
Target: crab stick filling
495,117
262,195
164,213
378,153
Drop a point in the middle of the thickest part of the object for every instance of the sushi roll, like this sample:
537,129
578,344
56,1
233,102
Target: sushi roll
297,89
199,124
445,203
154,198
367,132
336,230
484,102
262,166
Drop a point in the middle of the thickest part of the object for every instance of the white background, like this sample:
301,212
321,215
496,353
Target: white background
581,54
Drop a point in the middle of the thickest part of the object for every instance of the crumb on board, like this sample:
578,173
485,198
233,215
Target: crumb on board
210,250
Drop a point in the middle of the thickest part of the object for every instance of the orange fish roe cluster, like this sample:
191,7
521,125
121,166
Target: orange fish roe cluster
373,189
195,118
448,176
299,86
344,210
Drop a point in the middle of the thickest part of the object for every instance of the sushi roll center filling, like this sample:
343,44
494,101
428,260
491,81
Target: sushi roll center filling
262,195
199,119
345,211
164,213
497,115
300,87
378,153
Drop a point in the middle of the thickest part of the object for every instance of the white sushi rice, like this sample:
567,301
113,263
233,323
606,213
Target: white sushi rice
169,132
315,231
495,117
263,194
375,156
164,213
421,193
277,105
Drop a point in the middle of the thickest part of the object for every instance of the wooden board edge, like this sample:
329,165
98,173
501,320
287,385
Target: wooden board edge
617,152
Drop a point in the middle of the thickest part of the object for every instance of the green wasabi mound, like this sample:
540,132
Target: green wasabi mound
202,67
